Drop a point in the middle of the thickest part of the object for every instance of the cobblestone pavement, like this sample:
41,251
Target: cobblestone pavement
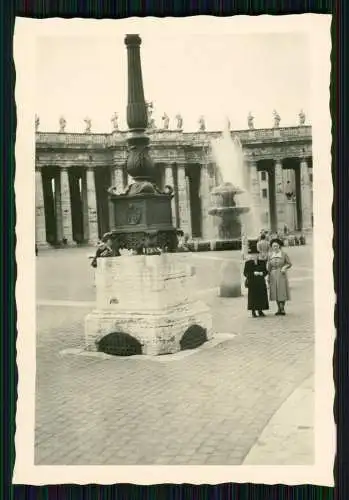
290,433
209,407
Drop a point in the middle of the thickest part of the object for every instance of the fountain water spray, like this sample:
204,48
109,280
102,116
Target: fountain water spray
238,219
233,174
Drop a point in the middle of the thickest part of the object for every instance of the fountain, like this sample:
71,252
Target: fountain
224,207
236,221
145,300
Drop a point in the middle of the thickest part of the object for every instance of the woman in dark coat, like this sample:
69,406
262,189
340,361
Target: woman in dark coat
255,272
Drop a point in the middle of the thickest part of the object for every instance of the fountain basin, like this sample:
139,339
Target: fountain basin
226,210
234,211
227,187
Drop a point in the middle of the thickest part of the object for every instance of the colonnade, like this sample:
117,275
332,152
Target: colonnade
72,204
293,207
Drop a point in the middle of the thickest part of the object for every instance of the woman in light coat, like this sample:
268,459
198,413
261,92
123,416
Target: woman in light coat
278,265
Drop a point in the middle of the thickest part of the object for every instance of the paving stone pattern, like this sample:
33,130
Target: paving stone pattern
289,435
206,408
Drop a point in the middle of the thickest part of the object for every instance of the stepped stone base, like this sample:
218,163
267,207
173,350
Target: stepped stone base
158,333
148,297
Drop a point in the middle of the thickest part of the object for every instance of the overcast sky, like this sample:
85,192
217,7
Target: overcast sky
213,75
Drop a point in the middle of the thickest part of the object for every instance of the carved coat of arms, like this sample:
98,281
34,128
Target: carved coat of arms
134,214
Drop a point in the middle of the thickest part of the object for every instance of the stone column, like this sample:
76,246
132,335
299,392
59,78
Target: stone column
40,223
58,209
305,196
66,207
117,177
290,214
169,181
310,171
92,206
188,204
290,205
85,206
209,231
254,217
183,201
117,181
254,185
280,197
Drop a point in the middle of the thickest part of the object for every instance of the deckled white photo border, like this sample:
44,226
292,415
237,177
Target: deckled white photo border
25,472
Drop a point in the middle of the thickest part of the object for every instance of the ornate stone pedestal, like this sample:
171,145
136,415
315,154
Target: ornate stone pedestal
149,298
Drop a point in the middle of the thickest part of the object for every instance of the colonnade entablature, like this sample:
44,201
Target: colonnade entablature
171,138
66,158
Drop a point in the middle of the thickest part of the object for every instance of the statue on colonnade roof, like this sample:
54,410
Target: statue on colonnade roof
62,124
114,120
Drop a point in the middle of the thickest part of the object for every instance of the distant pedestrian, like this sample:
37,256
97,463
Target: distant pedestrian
278,264
255,271
36,249
183,240
263,247
104,249
265,233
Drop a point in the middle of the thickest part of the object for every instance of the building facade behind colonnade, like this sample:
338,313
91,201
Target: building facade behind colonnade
73,171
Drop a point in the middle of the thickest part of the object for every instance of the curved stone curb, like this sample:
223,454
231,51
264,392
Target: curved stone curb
288,438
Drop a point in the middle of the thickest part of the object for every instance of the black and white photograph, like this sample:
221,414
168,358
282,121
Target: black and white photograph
173,197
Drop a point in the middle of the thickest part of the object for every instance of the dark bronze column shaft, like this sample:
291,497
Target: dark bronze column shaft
139,163
136,107
142,213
